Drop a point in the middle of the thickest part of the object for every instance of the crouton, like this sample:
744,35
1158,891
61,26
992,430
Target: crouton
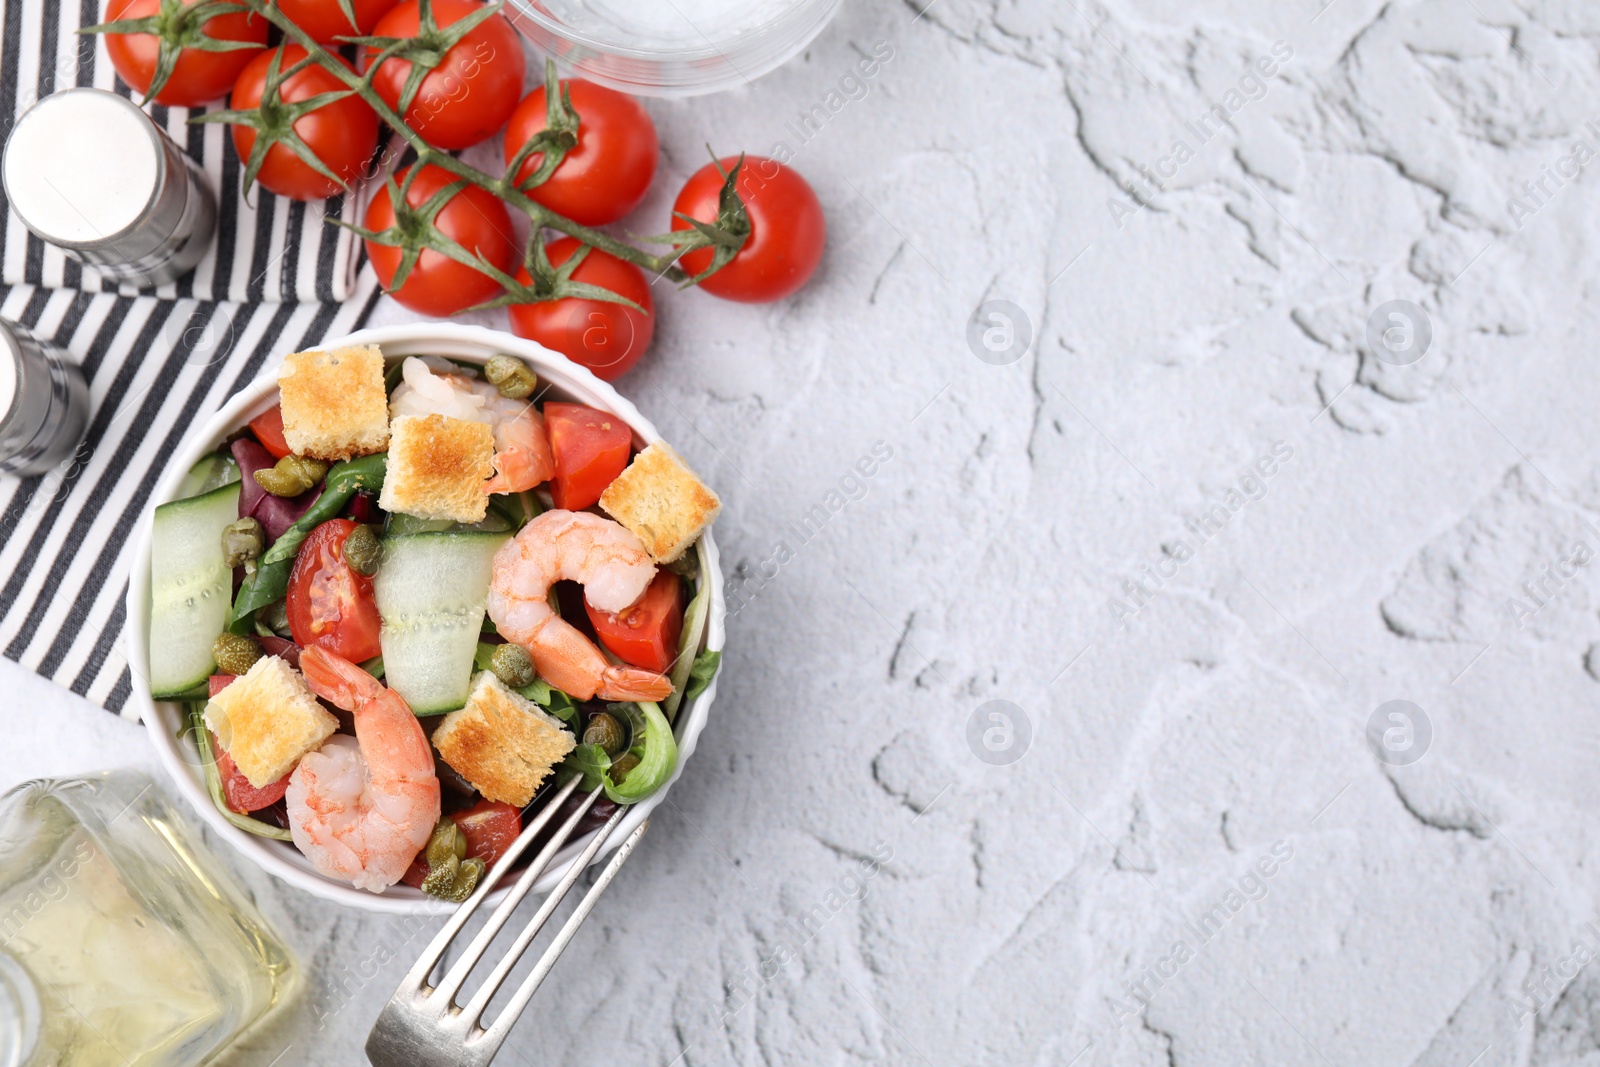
334,403
437,467
662,501
502,743
266,719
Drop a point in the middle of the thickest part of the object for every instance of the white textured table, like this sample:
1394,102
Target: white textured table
1196,533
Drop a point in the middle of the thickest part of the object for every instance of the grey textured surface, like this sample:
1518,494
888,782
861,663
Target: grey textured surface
1195,536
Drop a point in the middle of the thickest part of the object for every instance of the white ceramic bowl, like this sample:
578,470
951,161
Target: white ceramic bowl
567,381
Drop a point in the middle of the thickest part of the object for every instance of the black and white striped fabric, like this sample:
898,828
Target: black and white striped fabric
268,249
156,369
279,279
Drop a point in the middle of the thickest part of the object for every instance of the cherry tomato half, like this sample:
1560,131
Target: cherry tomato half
645,635
268,428
342,134
609,170
489,826
325,20
437,284
471,93
199,76
591,449
330,604
240,795
607,338
787,230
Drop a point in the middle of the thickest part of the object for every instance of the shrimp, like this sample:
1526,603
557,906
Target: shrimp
362,807
614,569
522,457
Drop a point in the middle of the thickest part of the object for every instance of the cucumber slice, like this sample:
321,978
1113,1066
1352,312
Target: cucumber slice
211,472
431,592
189,589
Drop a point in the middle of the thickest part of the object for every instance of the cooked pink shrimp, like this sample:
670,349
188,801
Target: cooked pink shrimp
614,570
361,808
522,457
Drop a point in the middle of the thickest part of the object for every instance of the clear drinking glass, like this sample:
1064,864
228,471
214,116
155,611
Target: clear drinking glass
121,941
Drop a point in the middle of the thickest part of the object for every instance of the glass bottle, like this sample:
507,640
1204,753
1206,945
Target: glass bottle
122,941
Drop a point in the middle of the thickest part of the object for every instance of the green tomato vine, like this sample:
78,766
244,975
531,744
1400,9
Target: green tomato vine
414,230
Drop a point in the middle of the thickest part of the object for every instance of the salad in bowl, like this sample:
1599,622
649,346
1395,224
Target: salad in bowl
406,586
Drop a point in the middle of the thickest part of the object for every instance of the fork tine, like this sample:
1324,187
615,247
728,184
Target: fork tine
496,1034
417,978
491,985
457,974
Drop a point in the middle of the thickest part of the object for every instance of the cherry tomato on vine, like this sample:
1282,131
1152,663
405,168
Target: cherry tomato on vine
325,20
606,175
469,95
787,230
475,219
607,338
342,134
329,604
200,76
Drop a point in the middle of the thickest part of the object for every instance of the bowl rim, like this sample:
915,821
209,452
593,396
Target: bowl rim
473,343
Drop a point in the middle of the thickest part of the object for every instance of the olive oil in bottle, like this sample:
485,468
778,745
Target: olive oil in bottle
120,941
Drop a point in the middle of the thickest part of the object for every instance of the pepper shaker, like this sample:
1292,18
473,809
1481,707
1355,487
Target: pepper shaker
89,172
44,403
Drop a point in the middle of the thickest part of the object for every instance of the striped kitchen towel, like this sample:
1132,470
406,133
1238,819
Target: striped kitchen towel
267,249
156,369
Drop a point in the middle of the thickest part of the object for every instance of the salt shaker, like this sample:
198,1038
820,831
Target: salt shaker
89,172
44,403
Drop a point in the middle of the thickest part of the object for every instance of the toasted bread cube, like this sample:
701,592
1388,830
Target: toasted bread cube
437,467
662,501
334,403
267,719
501,742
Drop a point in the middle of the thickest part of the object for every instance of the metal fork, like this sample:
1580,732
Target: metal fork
422,1025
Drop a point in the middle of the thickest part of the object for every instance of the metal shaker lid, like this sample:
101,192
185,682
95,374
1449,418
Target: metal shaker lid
83,167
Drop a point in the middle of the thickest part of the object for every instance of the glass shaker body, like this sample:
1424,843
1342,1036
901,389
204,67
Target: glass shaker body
121,940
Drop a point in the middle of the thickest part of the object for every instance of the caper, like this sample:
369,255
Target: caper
512,666
686,565
455,881
291,475
276,617
451,876
242,541
621,767
362,551
604,730
511,376
447,843
235,653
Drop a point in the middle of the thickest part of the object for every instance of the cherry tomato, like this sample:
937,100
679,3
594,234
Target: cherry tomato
218,682
342,134
607,338
471,93
787,230
240,795
590,447
609,170
475,219
268,428
645,635
199,76
489,827
325,20
329,603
